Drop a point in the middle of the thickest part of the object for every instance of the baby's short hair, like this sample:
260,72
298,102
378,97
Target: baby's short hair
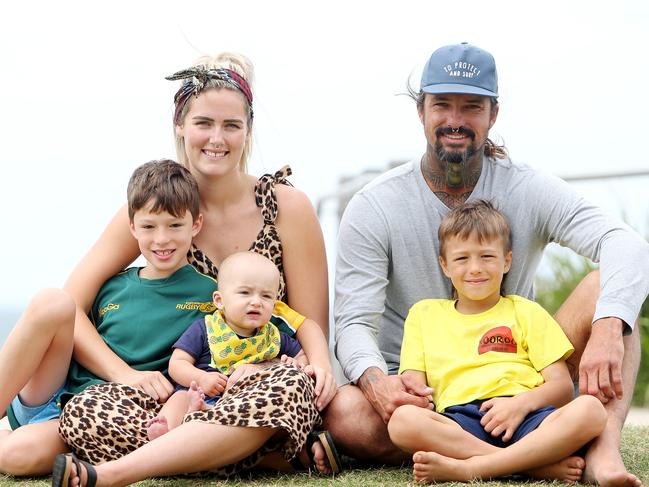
165,183
479,218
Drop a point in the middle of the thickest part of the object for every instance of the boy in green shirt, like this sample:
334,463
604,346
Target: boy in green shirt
139,314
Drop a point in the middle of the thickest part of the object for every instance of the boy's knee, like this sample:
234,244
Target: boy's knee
405,420
52,306
592,412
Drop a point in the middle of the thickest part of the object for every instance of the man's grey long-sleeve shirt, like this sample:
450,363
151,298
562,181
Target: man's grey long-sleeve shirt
388,248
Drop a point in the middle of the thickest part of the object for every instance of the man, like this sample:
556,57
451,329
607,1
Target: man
388,253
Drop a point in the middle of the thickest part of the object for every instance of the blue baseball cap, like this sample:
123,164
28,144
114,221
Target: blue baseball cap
460,68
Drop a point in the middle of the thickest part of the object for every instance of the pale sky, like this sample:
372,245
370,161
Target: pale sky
84,100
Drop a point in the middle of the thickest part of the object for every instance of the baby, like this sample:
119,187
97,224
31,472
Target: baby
239,332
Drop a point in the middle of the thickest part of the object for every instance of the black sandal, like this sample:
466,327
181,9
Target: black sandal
327,442
324,437
63,467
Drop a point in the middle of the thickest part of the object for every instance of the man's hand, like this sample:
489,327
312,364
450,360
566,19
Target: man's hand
212,383
503,414
415,384
600,369
152,383
387,392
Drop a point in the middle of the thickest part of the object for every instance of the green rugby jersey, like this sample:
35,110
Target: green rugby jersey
140,319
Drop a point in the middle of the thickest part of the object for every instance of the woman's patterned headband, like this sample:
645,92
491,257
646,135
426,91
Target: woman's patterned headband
198,77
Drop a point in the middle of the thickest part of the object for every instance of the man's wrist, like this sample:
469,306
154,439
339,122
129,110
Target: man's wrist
369,377
609,324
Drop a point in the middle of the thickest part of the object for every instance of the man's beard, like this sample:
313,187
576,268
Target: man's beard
454,156
455,161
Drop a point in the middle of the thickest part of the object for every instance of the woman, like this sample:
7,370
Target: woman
213,126
213,129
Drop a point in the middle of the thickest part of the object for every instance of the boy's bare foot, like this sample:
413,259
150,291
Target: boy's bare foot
157,427
432,467
196,398
568,470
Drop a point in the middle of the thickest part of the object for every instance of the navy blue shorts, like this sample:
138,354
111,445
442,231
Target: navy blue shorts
468,416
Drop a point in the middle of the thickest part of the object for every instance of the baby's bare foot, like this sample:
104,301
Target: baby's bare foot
196,398
156,427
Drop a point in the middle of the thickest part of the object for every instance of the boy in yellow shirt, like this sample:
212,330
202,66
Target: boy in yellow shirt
496,368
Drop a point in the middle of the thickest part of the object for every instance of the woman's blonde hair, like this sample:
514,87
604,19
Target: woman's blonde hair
225,60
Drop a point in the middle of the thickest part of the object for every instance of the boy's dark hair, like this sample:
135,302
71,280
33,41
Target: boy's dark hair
165,183
479,218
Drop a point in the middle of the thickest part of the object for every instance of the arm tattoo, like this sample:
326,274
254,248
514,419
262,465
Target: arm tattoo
370,376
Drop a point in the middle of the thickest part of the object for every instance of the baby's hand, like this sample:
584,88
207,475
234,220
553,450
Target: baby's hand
285,359
325,385
243,371
503,415
212,383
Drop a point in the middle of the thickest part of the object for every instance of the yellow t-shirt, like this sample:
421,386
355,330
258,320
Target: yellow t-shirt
496,353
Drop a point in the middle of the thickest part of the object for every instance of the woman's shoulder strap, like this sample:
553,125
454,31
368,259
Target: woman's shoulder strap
265,196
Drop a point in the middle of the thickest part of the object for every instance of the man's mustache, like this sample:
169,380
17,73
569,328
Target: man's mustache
450,131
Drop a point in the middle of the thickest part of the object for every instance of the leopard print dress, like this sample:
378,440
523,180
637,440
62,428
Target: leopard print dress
267,242
108,421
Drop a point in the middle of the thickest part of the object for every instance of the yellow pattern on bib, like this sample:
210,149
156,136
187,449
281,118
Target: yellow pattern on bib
229,351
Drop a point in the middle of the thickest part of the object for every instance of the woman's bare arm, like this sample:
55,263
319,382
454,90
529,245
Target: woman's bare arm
305,260
114,250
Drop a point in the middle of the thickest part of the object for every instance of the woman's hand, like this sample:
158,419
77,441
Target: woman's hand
150,382
325,385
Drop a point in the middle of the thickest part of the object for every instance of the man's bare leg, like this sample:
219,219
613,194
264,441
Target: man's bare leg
365,439
604,464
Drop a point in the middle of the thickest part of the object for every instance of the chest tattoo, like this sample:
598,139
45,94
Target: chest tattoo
451,195
452,200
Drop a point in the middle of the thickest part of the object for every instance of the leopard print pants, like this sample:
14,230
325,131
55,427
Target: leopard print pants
108,421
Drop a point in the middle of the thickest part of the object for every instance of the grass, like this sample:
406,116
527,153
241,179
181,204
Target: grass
635,452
